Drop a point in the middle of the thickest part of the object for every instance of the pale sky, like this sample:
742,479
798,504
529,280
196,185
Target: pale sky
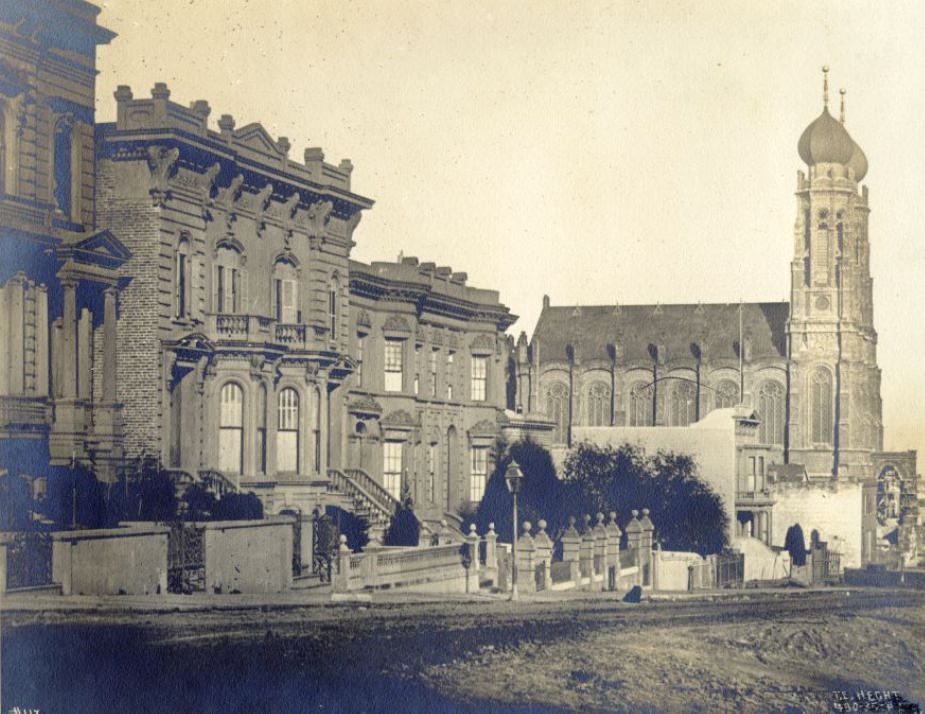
637,152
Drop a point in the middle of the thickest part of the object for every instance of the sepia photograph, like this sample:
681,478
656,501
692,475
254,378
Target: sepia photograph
487,356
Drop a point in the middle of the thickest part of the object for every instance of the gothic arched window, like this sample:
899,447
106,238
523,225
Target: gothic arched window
682,404
771,412
727,394
640,406
286,293
820,404
598,409
557,409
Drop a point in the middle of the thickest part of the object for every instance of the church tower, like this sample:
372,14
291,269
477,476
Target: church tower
834,393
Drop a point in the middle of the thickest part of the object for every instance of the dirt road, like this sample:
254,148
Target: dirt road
781,652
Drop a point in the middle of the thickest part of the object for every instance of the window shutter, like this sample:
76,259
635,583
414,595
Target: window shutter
188,294
243,302
195,288
278,299
178,284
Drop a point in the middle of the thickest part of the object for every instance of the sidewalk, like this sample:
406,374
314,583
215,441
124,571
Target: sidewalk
322,597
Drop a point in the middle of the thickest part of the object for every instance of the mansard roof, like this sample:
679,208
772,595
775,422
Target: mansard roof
678,332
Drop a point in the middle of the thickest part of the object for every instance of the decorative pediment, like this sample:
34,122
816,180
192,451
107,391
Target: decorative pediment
365,405
398,418
483,343
396,323
254,136
484,428
102,249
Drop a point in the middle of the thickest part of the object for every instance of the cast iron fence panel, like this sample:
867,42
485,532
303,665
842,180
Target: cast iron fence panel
186,564
730,570
297,545
28,560
325,542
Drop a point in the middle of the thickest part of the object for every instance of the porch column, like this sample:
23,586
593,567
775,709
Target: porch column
68,387
110,337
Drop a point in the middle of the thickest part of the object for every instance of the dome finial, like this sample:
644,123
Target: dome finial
842,92
825,85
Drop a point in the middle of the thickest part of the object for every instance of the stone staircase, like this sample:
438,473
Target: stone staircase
370,501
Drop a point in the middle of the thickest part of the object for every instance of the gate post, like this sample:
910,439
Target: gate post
586,554
571,544
525,561
646,547
612,551
543,548
600,551
342,572
491,554
472,572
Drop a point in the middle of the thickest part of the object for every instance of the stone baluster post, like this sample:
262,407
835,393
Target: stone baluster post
571,546
542,544
634,543
526,569
472,572
600,550
446,536
586,555
645,545
612,552
342,571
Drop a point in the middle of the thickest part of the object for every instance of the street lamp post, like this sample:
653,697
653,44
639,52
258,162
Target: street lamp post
514,478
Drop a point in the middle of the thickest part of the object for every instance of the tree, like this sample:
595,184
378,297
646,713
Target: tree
404,529
688,515
795,545
540,492
238,507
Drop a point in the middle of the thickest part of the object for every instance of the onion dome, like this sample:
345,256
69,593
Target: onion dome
825,141
858,162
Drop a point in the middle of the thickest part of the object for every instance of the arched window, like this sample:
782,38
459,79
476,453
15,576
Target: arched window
557,410
727,394
820,401
771,412
231,429
682,403
286,293
640,406
182,274
287,431
229,282
598,409
63,163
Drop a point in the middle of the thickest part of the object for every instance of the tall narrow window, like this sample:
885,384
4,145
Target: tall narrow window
557,410
393,365
450,376
63,168
231,429
479,384
598,409
478,473
391,467
641,411
360,347
287,431
821,406
332,309
771,413
286,293
417,369
727,394
682,404
316,431
262,427
3,153
433,372
229,282
182,279
432,473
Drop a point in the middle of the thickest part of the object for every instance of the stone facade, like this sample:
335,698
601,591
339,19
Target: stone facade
236,311
59,285
427,399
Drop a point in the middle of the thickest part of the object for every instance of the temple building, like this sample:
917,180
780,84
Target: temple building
807,368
